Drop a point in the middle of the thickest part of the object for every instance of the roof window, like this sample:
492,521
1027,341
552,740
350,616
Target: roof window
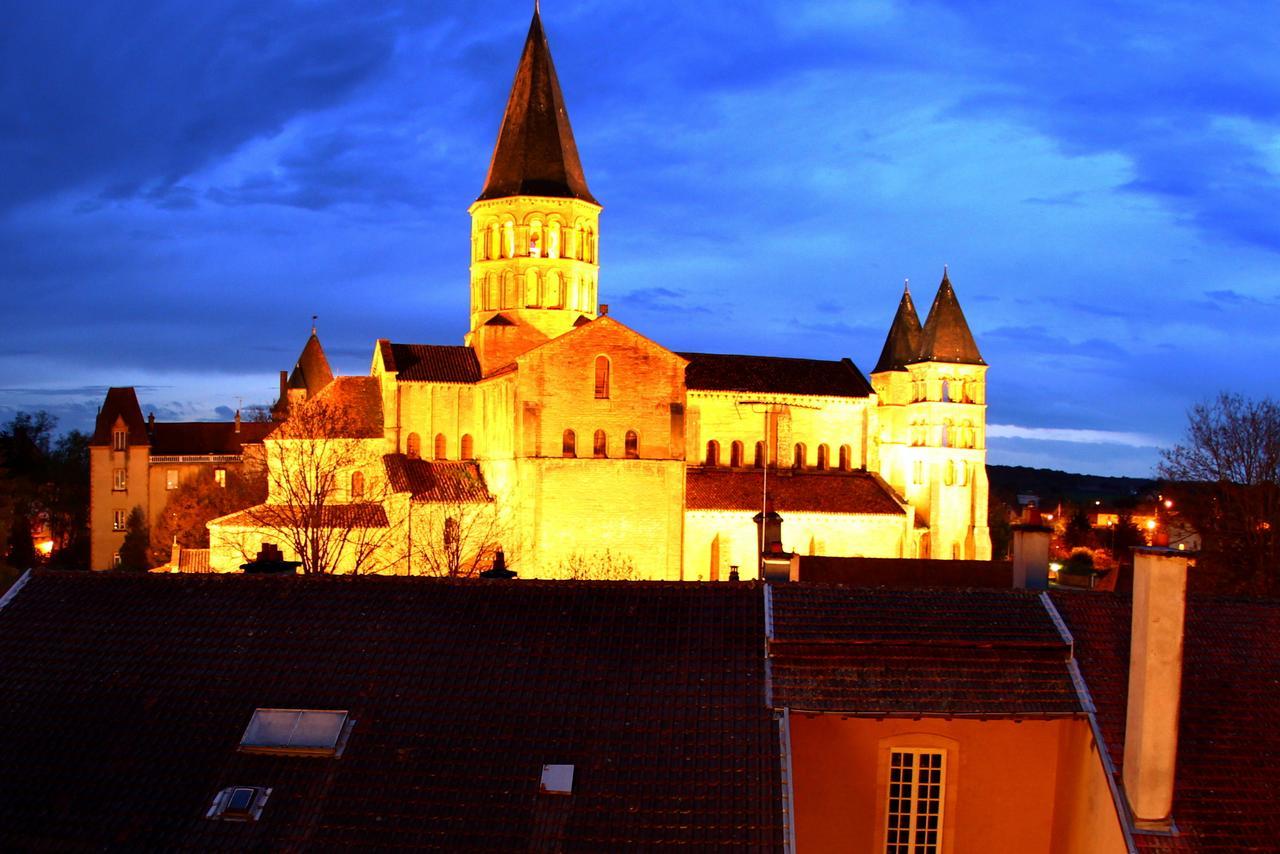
239,803
308,732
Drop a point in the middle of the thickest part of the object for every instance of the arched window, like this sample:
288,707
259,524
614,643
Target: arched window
946,391
759,458
357,485
570,444
713,453
632,445
602,377
442,447
824,456
577,241
600,447
531,289
451,533
590,251
846,458
553,240
962,474
555,293
735,455
535,239
799,461
413,446
947,436
492,299
494,249
510,293
508,239
950,476
466,449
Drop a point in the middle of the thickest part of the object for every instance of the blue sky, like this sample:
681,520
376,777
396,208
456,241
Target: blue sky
184,185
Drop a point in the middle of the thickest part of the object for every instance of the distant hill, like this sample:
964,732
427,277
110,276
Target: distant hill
1052,486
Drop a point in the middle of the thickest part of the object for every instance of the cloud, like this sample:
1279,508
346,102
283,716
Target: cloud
1073,435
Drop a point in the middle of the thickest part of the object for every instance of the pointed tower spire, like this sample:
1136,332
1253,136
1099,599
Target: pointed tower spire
535,154
946,336
311,372
903,341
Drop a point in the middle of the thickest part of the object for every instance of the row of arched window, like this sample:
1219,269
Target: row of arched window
799,460
413,447
953,473
535,239
951,435
532,290
600,445
947,390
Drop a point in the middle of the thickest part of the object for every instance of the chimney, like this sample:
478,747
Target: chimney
151,423
175,555
284,386
237,421
499,569
1031,551
604,309
1155,684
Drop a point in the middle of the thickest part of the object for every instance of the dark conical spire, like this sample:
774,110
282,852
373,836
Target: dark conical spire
903,343
312,371
535,154
946,336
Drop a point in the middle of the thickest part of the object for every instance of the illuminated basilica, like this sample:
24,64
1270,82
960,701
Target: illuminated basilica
568,439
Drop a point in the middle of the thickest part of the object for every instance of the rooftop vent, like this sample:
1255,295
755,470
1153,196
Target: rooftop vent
307,732
239,803
557,780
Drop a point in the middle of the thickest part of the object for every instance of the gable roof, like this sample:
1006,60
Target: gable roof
713,488
121,402
430,362
1226,792
902,345
125,697
364,514
206,437
920,652
946,336
725,372
445,481
347,408
535,154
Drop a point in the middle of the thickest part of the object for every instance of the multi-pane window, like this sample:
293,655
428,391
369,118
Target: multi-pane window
171,479
118,520
119,440
913,822
119,482
220,477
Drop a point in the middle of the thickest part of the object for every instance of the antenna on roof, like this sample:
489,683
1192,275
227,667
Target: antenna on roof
906,286
314,318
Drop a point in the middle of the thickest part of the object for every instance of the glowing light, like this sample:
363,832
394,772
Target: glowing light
1168,502
1048,517
46,547
1151,524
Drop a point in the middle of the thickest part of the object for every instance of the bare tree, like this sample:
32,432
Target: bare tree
1226,484
455,538
326,492
598,566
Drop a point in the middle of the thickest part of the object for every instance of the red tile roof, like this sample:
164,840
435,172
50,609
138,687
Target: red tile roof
1226,792
766,374
711,488
206,437
905,572
360,515
444,481
124,698
919,652
431,362
348,407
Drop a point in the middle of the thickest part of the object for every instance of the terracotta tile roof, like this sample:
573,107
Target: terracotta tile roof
906,572
765,374
124,698
437,480
431,362
193,560
820,613
121,401
206,437
360,515
348,407
711,488
1227,792
926,680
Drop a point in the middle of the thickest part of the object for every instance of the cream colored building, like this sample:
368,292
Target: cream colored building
584,442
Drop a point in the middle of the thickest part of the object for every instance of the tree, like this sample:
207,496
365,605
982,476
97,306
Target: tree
455,538
1079,532
65,498
137,542
598,566
1226,483
198,501
331,519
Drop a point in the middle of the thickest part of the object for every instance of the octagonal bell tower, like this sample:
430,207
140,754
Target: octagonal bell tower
535,227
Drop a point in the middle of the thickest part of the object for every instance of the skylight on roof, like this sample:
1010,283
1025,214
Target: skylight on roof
239,803
303,731
557,780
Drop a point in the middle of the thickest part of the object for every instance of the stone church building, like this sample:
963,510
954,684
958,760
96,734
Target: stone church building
568,439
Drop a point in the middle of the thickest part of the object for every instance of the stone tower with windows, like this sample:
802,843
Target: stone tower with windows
931,385
535,227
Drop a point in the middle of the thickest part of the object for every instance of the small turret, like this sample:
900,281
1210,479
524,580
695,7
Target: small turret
946,336
903,342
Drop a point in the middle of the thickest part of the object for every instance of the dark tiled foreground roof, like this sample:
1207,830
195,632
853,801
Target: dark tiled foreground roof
764,374
906,572
124,699
1227,792
709,488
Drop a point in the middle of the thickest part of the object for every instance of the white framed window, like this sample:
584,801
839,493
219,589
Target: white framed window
118,520
915,800
119,440
171,479
220,477
119,480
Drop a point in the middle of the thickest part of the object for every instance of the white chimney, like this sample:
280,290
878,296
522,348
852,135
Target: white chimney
1031,551
1155,684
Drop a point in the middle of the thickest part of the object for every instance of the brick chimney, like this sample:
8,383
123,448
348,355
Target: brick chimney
1031,551
1155,684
